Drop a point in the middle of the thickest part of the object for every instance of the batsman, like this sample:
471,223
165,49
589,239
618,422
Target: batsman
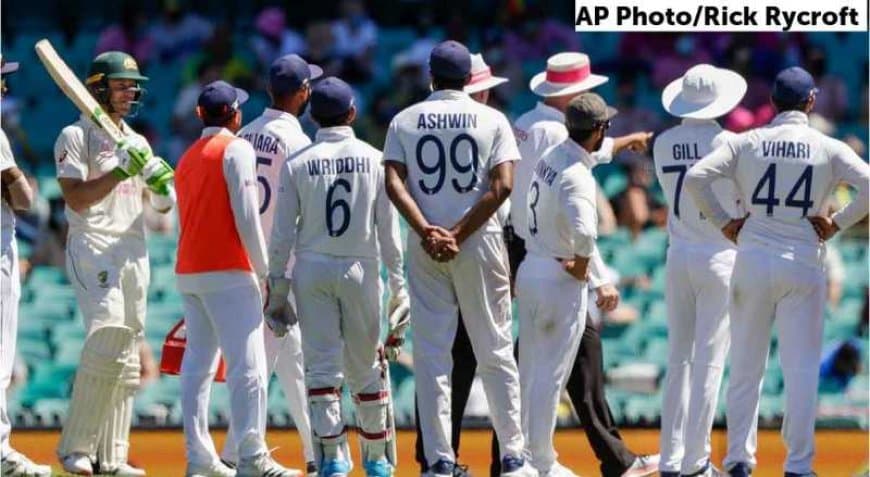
105,184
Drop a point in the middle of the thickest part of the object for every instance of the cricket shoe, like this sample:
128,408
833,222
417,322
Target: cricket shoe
335,468
740,469
77,464
123,470
643,465
378,468
215,469
263,465
442,468
16,464
558,470
513,466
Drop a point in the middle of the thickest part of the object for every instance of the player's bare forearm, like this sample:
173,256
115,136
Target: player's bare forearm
500,185
637,142
397,191
80,194
16,189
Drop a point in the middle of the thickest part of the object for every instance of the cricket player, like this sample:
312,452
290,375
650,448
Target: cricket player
103,186
332,208
449,166
221,262
462,377
276,135
551,281
784,172
16,195
537,131
698,268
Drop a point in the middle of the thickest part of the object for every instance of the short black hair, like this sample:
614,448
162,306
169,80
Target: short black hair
217,121
333,121
782,107
581,135
439,83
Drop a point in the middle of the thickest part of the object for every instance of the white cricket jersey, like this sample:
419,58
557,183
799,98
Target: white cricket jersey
674,153
332,200
449,143
563,221
7,215
537,131
276,135
784,171
83,151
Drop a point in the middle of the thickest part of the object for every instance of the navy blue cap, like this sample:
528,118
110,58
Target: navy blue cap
218,98
288,73
451,60
331,97
793,85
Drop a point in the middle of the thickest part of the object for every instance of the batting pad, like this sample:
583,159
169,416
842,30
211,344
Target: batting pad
114,442
104,357
371,417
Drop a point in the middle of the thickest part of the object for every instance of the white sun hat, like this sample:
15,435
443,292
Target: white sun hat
481,76
566,73
704,92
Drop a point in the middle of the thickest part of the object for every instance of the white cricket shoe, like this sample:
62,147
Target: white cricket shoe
559,470
77,464
16,464
643,465
216,469
124,470
263,465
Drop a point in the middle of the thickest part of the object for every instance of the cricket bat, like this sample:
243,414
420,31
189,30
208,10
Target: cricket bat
67,81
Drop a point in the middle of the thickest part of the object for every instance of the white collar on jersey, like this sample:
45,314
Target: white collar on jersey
214,131
447,94
550,112
273,113
334,134
790,117
576,152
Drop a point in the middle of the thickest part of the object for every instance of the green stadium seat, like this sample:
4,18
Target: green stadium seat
51,412
642,409
48,380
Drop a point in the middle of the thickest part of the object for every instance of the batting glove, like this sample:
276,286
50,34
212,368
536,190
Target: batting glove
158,174
399,309
279,313
131,160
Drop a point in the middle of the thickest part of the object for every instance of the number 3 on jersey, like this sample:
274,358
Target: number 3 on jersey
770,201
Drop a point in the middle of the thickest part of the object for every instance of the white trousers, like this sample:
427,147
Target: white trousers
477,283
767,290
10,293
284,358
552,312
230,321
698,339
111,282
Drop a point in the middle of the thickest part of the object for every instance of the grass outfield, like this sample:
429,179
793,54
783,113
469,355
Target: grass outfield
161,453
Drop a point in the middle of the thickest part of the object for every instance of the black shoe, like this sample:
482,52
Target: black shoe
442,467
460,470
740,469
794,474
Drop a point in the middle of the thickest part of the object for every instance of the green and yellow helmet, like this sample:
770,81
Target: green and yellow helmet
114,65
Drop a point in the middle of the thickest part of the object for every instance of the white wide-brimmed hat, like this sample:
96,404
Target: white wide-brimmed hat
704,92
566,73
481,76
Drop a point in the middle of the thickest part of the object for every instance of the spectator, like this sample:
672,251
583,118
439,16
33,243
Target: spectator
50,246
832,100
634,204
533,36
840,365
186,125
356,37
234,68
179,34
321,48
128,35
273,38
